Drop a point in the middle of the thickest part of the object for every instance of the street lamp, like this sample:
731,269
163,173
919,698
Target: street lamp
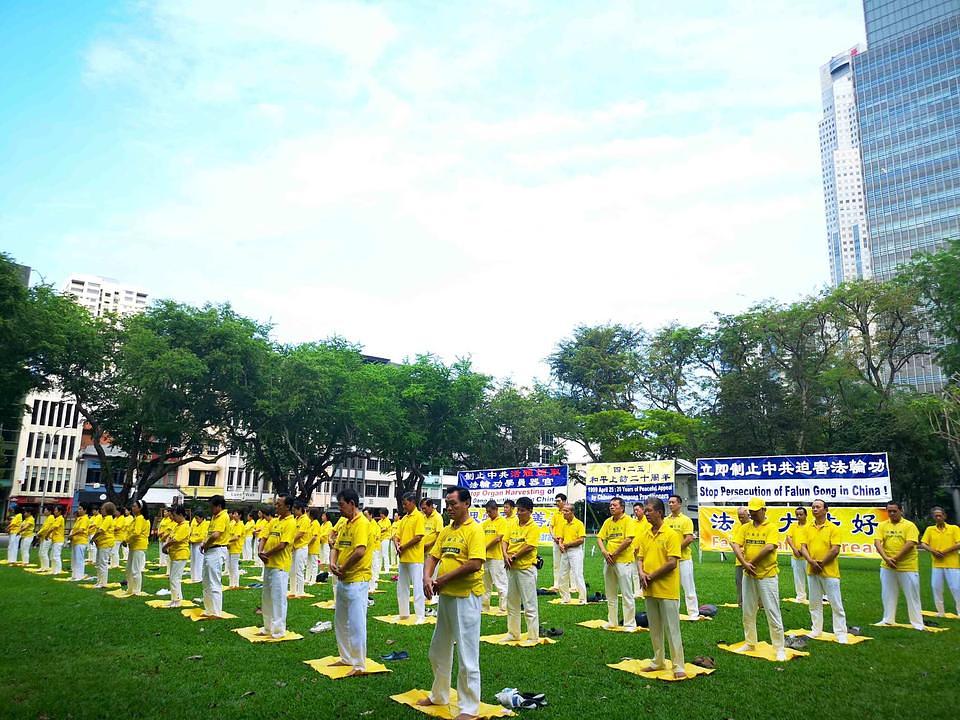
46,475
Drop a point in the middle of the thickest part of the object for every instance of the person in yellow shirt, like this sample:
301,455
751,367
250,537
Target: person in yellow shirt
392,546
215,552
458,557
376,566
235,549
509,512
313,548
409,546
57,536
119,536
124,548
104,539
942,541
43,535
276,553
660,551
197,536
163,532
249,526
615,541
432,522
78,544
743,518
896,543
27,532
572,539
683,526
351,562
96,518
494,572
795,537
13,544
259,534
332,542
556,531
520,560
756,548
301,541
138,540
177,547
326,529
386,540
640,527
820,549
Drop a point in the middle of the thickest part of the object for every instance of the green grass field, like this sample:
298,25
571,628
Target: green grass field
69,652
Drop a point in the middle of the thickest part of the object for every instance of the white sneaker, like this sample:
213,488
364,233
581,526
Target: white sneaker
263,632
162,592
746,647
609,625
842,639
781,655
370,602
814,634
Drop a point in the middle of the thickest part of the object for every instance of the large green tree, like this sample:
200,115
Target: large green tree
936,278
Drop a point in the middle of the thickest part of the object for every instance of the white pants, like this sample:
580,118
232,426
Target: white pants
92,553
557,555
350,623
45,554
799,566
56,557
196,562
637,585
385,556
689,589
312,568
213,560
78,561
103,565
176,575
950,576
767,591
125,549
407,574
298,570
115,556
135,565
25,543
247,548
663,617
571,574
618,578
164,558
494,576
13,548
458,621
891,583
392,553
375,569
820,586
257,562
522,588
325,555
233,569
273,601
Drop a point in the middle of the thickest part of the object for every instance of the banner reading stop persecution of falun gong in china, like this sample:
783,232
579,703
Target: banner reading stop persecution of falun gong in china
631,481
862,478
858,527
540,484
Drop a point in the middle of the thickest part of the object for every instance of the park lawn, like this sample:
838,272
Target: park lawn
69,652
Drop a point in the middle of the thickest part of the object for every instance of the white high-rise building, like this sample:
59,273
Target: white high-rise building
102,295
848,243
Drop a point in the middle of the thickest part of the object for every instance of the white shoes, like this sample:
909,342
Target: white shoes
746,647
814,633
781,655
842,639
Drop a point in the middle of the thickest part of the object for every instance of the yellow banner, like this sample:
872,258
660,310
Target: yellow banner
542,516
858,526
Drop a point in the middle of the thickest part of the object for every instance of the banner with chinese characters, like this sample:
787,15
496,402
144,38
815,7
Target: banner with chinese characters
542,516
632,481
540,484
858,526
782,479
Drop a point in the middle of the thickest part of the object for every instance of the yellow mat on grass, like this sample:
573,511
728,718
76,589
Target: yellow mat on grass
696,619
324,605
93,586
66,580
602,625
291,596
37,571
558,601
501,639
408,620
325,666
124,594
197,614
827,637
796,602
252,634
945,616
635,667
729,605
449,712
157,576
494,612
762,650
905,626
165,604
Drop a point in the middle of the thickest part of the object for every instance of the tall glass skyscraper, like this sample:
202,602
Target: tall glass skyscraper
907,86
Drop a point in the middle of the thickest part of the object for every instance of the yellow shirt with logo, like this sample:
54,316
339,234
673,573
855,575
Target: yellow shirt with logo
940,540
819,539
572,531
236,532
302,538
27,526
614,532
78,533
431,526
893,536
248,528
755,538
260,528
454,547
557,521
138,534
683,526
409,526
326,529
640,526
219,524
196,531
491,529
797,533
179,541
313,548
281,531
166,525
357,532
15,522
386,528
520,535
105,538
655,549
47,526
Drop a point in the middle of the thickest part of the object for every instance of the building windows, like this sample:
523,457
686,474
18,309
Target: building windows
193,478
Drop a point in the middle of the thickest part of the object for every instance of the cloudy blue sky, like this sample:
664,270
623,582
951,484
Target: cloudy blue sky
464,178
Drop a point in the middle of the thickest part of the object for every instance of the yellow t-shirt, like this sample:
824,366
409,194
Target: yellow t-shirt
57,531
196,531
221,524
682,525
281,531
940,540
126,526
326,529
893,536
491,529
302,536
456,545
797,533
105,539
819,539
614,532
386,529
431,526
179,541
754,540
248,528
315,539
46,527
409,526
138,534
27,526
557,521
520,535
15,522
78,533
655,550
737,537
235,546
358,531
573,530
166,525
640,526
260,528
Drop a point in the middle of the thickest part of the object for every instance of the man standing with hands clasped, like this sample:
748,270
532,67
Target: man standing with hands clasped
352,563
409,545
214,549
820,549
460,551
615,541
897,540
